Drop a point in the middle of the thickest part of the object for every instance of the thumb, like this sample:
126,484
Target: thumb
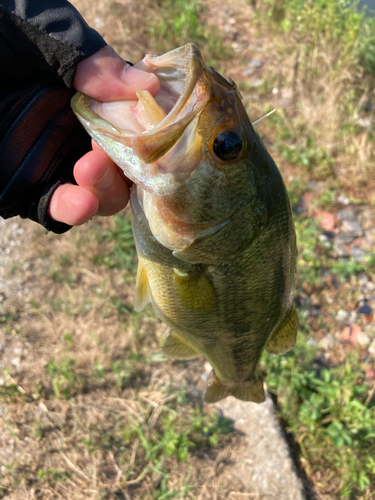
105,76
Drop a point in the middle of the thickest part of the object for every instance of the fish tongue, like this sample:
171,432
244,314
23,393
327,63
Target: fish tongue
153,111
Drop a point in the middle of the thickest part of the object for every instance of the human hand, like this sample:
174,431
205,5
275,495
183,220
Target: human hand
102,187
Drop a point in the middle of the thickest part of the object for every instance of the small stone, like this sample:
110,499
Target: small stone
353,316
352,226
363,339
358,254
370,286
207,367
256,63
323,238
363,279
248,72
275,91
237,46
344,237
343,200
369,238
312,342
287,93
326,220
342,315
16,362
327,342
346,214
256,84
351,334
306,200
370,372
99,23
365,122
340,251
1,348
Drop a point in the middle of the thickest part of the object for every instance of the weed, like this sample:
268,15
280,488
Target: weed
177,22
332,49
7,315
121,253
65,378
68,339
54,475
179,433
328,413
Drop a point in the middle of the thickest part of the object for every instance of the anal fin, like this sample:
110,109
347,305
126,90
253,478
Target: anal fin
252,390
142,289
175,347
284,338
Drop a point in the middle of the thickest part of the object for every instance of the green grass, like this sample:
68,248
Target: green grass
174,23
325,51
330,415
329,409
120,252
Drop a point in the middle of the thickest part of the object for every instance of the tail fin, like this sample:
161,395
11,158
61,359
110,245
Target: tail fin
246,391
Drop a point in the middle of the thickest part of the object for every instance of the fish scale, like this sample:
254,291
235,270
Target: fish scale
211,218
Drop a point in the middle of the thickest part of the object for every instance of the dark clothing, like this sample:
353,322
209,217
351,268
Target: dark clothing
41,44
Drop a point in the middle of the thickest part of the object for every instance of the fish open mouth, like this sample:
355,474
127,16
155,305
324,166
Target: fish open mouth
137,134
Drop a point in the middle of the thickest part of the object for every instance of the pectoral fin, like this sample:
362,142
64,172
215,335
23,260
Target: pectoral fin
252,390
284,338
175,347
142,289
194,290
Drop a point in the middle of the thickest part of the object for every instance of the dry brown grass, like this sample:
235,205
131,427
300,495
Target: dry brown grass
327,91
87,377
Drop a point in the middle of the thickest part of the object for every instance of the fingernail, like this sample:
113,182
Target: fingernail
107,179
134,77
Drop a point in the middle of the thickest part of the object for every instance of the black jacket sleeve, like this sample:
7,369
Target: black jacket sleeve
41,44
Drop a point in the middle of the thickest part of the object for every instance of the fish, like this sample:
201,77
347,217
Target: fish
211,218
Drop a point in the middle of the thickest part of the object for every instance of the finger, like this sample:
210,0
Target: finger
96,147
73,205
97,173
105,76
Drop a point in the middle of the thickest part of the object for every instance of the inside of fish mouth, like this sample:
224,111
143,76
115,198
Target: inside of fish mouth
136,116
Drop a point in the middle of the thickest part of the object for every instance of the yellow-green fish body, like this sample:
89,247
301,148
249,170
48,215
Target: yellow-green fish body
211,219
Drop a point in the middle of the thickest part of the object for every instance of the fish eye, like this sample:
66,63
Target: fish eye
227,145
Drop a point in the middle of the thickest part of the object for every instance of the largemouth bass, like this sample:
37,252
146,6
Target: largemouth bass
211,218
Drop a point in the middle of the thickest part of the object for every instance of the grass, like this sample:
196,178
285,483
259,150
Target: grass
323,397
330,413
177,22
329,70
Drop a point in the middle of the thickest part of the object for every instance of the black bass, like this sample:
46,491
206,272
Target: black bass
211,218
